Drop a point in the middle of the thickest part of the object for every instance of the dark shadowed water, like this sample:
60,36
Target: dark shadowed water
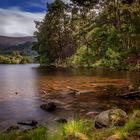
23,88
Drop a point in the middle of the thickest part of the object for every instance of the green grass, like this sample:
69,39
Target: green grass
56,135
77,130
8,136
35,134
79,126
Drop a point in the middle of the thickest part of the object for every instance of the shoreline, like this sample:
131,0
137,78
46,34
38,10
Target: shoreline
81,129
53,66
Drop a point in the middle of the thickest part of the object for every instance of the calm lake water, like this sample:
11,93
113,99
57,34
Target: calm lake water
23,88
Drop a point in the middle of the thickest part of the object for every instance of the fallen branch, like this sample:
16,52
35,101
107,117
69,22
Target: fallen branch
131,95
32,123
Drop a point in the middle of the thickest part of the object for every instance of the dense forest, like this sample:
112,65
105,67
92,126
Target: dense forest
90,33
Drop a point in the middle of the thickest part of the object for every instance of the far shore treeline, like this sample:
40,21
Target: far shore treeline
17,50
90,33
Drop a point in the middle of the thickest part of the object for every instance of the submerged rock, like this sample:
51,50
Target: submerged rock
32,123
131,88
13,128
16,93
61,120
112,117
48,106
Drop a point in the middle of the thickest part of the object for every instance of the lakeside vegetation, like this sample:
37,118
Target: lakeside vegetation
17,50
90,33
80,130
15,58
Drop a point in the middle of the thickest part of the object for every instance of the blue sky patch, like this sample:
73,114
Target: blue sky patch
25,5
17,16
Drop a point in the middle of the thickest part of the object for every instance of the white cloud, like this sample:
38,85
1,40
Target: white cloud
14,22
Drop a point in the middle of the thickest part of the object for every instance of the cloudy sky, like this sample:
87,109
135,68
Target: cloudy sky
17,16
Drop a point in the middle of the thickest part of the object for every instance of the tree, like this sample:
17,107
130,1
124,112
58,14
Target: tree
54,34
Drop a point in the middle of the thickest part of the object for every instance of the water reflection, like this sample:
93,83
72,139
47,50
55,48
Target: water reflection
19,98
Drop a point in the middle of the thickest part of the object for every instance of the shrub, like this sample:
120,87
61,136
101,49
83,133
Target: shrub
82,57
76,126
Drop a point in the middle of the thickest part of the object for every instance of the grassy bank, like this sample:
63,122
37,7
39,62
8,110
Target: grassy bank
80,130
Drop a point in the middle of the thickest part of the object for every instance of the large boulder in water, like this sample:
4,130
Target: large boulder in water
112,117
48,106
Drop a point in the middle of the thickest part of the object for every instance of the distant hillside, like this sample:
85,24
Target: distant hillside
4,40
21,44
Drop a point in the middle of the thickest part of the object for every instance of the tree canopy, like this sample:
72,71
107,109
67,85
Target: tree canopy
90,32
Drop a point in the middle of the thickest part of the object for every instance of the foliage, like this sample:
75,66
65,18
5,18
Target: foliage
55,39
8,136
82,57
88,33
77,126
111,59
35,134
14,58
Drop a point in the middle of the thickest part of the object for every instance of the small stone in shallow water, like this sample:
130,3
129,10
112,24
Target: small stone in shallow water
44,92
82,110
61,120
131,88
13,127
34,123
48,106
92,114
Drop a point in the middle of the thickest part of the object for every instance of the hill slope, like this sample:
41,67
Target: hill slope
4,40
21,44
